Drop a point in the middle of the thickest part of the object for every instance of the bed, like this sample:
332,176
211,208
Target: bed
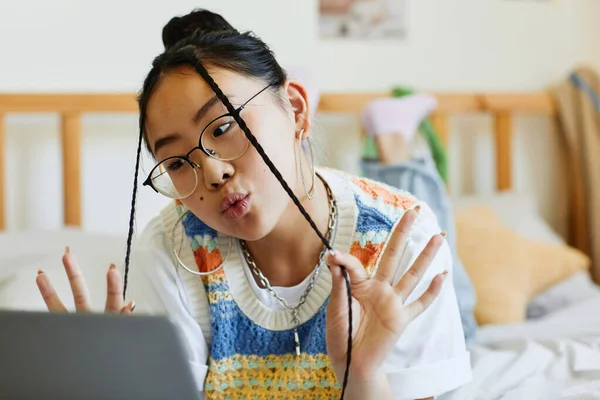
554,353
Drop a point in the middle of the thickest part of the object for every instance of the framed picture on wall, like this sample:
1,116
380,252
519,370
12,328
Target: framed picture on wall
363,19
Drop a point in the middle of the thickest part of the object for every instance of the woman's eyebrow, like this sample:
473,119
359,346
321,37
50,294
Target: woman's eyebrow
197,117
205,108
163,141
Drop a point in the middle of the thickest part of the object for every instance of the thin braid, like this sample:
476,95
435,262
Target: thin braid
202,71
132,213
349,346
240,121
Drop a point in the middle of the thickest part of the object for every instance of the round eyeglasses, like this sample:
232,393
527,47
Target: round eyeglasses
222,139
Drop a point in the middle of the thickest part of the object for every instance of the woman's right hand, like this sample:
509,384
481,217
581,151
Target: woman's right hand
81,294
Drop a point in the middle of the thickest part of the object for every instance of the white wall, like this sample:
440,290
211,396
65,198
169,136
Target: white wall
66,45
92,45
473,45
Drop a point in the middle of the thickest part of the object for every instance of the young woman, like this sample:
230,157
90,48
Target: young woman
261,304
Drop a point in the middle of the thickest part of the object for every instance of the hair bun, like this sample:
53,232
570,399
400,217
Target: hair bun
179,28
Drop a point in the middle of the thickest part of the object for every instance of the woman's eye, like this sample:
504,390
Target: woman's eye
175,165
221,129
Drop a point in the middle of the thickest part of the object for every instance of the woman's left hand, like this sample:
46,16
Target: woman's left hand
379,316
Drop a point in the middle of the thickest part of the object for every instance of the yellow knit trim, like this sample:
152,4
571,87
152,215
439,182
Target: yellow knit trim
214,297
274,394
217,277
272,377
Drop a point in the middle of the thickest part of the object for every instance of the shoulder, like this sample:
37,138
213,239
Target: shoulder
154,281
378,210
150,254
153,236
378,203
377,192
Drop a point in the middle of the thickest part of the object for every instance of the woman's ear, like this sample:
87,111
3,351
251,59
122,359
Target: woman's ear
298,98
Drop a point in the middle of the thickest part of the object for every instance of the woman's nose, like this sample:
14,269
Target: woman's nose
216,173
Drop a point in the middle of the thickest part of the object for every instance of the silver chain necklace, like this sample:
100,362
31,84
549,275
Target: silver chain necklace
265,282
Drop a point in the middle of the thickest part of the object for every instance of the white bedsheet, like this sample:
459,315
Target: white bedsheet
557,357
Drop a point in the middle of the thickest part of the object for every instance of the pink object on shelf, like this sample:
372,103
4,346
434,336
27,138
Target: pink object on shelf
397,115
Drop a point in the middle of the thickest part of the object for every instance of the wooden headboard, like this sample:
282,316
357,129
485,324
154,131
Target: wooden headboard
501,106
71,107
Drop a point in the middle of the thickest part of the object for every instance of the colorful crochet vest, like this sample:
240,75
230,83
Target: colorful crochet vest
248,361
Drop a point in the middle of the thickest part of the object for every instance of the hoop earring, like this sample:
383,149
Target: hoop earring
309,193
181,264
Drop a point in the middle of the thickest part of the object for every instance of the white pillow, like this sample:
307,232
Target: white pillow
573,290
23,253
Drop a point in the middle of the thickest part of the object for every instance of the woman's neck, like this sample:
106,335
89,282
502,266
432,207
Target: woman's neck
290,252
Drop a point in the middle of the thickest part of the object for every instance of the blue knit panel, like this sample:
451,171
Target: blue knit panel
194,227
371,218
218,287
234,333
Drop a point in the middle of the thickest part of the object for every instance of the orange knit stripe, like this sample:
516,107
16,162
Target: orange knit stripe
368,255
375,190
207,260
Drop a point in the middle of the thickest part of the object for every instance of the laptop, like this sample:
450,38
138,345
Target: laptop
92,356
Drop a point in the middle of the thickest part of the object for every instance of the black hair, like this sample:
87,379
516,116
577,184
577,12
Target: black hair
179,28
243,53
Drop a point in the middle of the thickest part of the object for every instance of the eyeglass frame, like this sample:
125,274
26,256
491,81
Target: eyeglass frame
195,165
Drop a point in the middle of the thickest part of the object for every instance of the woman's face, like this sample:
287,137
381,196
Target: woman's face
239,197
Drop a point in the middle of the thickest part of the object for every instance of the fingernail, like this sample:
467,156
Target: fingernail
443,233
132,305
444,274
112,266
40,271
332,252
67,250
418,208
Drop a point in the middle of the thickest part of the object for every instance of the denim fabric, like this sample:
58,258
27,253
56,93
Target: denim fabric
420,178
